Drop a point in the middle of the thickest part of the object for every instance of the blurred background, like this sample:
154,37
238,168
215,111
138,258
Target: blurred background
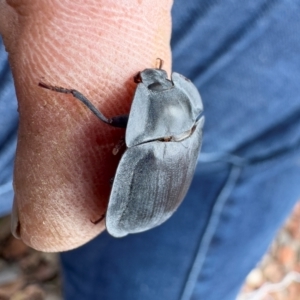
26,274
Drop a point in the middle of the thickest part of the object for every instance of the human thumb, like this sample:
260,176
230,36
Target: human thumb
64,161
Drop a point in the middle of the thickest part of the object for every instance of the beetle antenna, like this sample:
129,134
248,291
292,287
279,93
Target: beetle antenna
160,63
118,121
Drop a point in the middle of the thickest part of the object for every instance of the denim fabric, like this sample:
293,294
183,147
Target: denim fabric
244,58
8,132
204,251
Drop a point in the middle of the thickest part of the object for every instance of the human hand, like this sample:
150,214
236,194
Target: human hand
64,159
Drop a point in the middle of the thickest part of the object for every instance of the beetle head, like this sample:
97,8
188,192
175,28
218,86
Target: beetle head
154,79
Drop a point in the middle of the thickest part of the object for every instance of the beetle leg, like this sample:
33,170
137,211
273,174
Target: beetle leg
119,146
118,121
111,181
98,220
137,78
159,63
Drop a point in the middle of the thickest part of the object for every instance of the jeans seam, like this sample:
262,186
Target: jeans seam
210,230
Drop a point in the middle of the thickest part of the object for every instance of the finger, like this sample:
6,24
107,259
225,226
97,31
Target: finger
64,160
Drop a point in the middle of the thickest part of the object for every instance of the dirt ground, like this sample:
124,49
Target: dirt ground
26,274
277,276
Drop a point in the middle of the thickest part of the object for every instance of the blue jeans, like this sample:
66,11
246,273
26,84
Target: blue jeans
244,58
8,132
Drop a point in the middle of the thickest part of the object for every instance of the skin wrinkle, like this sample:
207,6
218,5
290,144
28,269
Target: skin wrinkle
70,174
21,8
104,22
75,100
8,21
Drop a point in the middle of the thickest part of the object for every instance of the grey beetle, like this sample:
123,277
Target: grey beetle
163,139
